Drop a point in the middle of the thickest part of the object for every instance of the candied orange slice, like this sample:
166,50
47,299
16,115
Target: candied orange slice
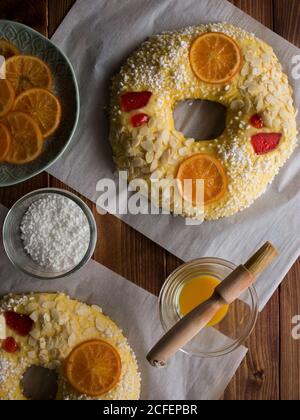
26,138
7,49
210,170
43,106
93,368
26,72
215,58
5,140
7,97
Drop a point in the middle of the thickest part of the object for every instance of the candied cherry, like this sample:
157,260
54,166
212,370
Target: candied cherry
9,345
257,121
132,101
139,119
264,143
20,324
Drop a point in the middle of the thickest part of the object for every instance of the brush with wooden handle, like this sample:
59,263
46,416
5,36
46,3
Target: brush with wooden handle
225,294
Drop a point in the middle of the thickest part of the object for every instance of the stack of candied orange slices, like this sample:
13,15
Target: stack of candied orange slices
29,111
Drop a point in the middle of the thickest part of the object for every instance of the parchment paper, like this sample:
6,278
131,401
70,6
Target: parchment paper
136,313
98,35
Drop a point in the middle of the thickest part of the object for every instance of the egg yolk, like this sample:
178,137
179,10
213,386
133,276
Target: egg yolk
197,291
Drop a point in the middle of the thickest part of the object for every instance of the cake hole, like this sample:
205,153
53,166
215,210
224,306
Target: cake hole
39,384
200,120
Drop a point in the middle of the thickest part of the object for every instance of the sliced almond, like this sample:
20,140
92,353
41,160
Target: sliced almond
81,309
31,307
183,151
48,330
32,342
259,103
166,156
64,318
35,334
154,166
151,123
189,142
147,146
156,175
100,325
34,316
90,332
164,136
61,306
72,340
245,70
42,343
138,162
149,157
48,305
136,142
237,105
31,354
55,313
174,142
145,170
44,356
144,130
46,318
97,308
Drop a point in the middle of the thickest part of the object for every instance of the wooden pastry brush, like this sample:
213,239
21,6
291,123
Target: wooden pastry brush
225,294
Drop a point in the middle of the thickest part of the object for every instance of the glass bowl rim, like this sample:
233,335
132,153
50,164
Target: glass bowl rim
254,310
86,210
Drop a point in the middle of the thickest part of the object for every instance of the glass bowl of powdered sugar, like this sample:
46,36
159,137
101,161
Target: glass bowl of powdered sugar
49,234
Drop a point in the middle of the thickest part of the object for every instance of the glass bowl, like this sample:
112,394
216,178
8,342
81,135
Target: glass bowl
231,332
13,243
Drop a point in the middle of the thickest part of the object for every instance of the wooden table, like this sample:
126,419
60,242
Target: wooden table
272,368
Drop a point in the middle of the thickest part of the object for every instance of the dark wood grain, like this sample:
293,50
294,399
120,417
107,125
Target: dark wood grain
272,367
287,19
261,10
57,11
287,24
33,13
258,376
290,348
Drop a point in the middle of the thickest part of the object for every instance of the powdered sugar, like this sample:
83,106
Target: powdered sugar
55,233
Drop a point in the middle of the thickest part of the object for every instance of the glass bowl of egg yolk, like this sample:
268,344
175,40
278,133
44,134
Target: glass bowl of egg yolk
194,283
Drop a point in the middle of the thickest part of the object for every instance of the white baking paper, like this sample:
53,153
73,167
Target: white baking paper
136,313
98,35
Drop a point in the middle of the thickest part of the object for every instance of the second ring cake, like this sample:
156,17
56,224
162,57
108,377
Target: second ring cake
88,352
219,63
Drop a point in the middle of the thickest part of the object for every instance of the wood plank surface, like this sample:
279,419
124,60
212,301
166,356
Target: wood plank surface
57,11
287,24
289,347
258,376
272,368
287,20
33,13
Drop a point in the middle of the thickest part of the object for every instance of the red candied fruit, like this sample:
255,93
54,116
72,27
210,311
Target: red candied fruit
257,121
20,324
9,345
132,101
264,143
139,119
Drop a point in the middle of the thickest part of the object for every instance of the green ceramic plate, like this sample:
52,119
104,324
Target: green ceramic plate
66,89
